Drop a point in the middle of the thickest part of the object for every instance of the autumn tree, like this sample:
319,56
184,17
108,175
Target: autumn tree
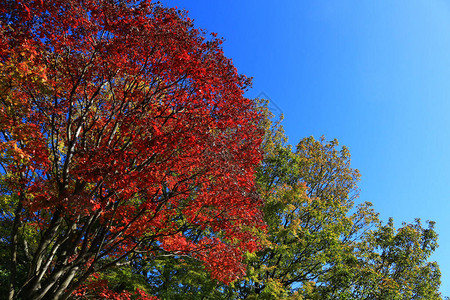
124,134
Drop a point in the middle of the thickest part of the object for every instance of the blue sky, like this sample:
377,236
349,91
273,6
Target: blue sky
373,74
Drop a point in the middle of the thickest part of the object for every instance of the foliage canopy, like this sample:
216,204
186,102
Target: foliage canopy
119,123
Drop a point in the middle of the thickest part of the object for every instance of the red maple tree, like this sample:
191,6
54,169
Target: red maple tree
123,131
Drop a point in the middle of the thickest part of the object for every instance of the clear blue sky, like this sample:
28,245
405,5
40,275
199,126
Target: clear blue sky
373,74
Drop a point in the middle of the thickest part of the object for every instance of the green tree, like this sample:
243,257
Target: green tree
319,246
308,196
389,263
